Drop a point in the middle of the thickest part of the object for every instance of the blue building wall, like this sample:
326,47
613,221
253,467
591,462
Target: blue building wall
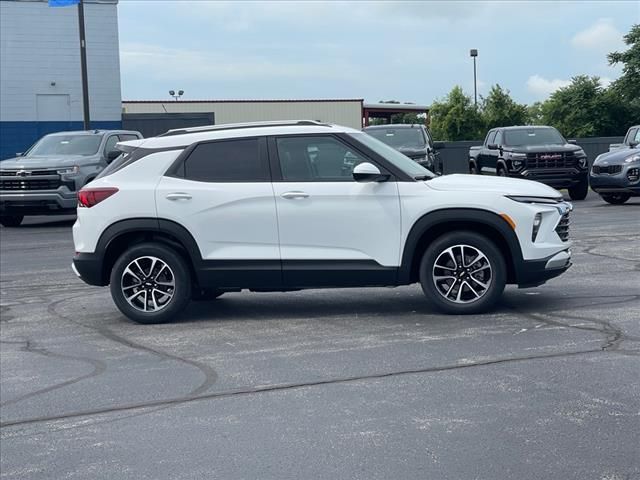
19,136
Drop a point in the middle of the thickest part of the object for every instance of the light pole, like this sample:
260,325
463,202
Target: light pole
173,94
474,53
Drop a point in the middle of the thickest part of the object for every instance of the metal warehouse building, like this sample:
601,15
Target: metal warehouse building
40,78
155,117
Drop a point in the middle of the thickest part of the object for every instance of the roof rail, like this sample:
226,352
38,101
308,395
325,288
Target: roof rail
235,126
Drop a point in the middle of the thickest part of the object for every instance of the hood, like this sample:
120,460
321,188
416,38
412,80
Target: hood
502,185
616,157
45,161
568,147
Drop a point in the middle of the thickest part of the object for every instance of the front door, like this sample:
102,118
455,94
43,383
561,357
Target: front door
223,195
333,230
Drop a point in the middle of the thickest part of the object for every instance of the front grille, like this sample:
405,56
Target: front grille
563,227
607,169
27,173
26,183
551,160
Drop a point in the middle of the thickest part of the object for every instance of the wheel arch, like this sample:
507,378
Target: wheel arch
437,223
123,234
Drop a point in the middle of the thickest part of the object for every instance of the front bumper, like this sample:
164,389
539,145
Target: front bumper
553,177
44,202
532,273
616,183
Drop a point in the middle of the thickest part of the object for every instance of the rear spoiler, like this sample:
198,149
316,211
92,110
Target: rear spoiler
130,145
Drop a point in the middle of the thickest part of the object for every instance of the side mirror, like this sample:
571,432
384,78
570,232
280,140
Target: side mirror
633,144
438,145
367,172
112,155
572,142
492,146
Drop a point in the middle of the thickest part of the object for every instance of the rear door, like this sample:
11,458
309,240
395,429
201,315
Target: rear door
222,194
333,230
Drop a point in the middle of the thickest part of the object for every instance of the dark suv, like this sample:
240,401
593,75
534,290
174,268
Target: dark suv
533,153
413,140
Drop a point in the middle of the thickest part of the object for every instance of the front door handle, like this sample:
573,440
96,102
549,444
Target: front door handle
178,196
294,195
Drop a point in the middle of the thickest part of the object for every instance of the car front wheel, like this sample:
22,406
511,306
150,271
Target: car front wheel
150,283
616,198
579,192
11,220
462,273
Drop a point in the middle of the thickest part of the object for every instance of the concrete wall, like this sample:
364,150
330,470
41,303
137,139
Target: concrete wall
39,46
455,155
341,112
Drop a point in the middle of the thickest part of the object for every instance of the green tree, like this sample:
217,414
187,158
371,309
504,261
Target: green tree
535,114
500,110
456,118
628,85
579,110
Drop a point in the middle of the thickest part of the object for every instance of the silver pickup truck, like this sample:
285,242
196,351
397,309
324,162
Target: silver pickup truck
45,179
631,138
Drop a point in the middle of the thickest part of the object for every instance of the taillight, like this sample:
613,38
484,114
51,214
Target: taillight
88,197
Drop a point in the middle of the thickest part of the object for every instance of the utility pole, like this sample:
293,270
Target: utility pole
83,67
473,53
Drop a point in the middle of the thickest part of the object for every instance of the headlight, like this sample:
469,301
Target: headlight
632,158
517,164
544,200
582,162
516,156
537,220
69,171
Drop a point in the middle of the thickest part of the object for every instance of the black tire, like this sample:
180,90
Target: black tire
579,192
486,297
177,270
616,198
473,170
11,220
205,294
501,172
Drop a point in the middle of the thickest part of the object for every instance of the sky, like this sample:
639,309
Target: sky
376,50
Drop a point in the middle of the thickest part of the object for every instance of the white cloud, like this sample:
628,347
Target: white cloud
542,87
601,36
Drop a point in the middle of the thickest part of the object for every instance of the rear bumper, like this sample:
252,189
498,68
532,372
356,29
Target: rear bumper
38,203
531,273
88,267
554,178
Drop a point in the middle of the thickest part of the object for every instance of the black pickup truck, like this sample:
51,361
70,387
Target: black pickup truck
533,153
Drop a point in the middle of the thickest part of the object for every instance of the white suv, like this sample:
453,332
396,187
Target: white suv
194,213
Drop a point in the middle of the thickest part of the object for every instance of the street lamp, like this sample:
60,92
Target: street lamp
173,94
474,53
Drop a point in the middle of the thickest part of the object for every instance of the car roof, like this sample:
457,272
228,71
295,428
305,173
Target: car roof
521,127
185,137
393,126
94,132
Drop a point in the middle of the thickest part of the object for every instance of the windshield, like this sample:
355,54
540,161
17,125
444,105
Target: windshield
533,136
400,137
66,145
401,161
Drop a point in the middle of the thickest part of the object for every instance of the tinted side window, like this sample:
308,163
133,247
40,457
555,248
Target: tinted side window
111,143
498,140
125,137
491,137
227,161
319,159
635,138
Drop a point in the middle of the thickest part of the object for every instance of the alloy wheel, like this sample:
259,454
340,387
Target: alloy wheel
148,284
462,274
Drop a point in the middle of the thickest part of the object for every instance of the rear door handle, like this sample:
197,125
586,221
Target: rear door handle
294,195
178,196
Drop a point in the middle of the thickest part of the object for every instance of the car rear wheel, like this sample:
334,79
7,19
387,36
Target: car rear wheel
462,273
616,198
150,283
579,192
11,220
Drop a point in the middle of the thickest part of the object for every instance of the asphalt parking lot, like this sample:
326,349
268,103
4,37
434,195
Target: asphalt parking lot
357,384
